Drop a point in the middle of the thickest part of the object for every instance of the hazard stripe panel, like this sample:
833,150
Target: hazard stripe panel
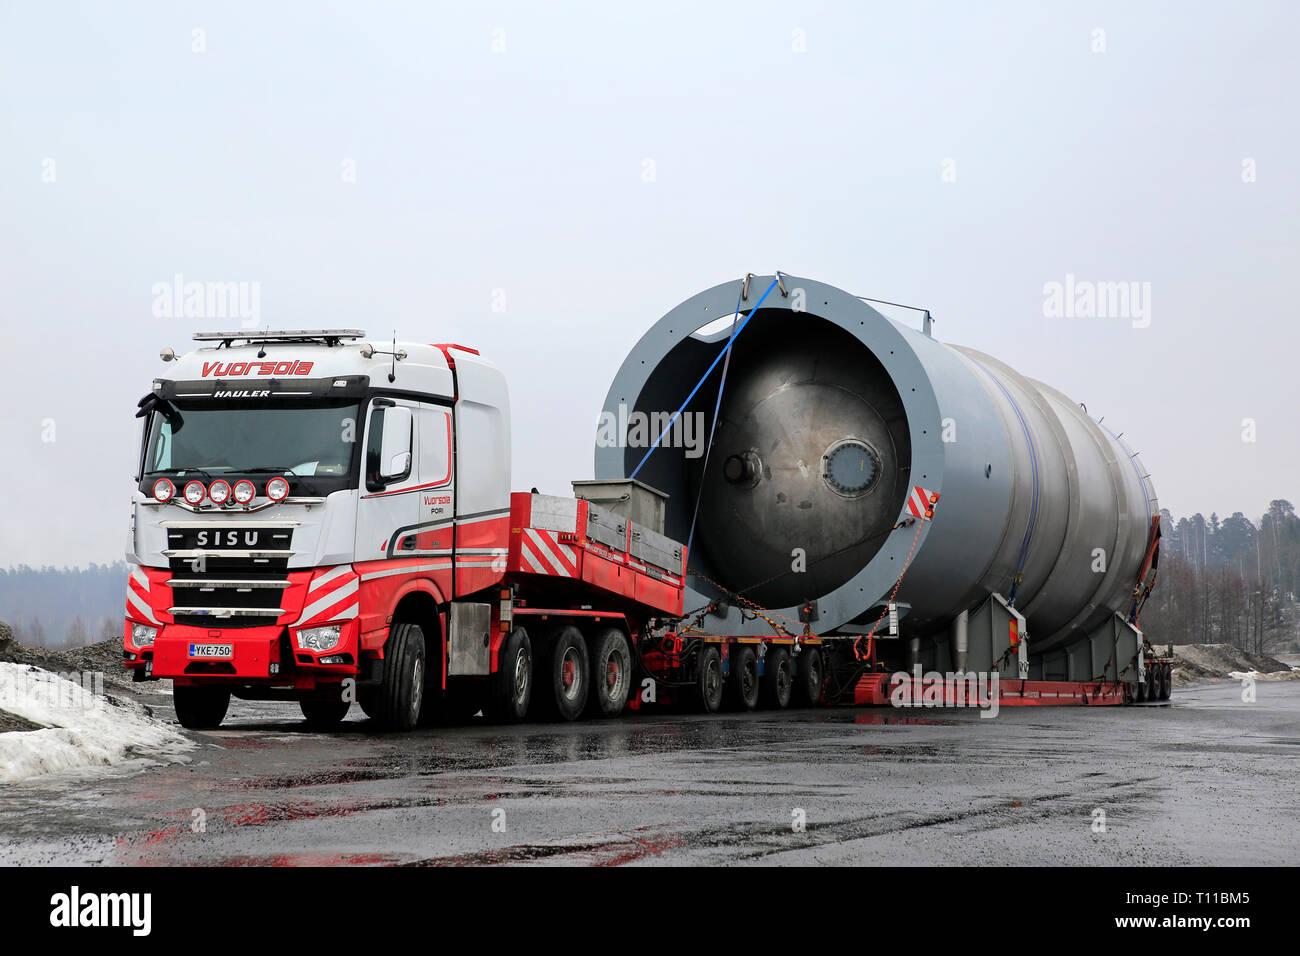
920,502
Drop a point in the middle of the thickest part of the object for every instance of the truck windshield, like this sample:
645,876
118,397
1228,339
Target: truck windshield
310,439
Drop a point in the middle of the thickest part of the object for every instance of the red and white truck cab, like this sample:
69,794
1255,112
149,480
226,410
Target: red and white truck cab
325,519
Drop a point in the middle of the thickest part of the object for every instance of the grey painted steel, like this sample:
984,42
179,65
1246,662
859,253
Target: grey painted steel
802,381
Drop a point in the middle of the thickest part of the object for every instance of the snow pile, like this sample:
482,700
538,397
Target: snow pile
1291,674
81,730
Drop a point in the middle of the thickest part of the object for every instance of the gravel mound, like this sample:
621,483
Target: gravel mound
1195,662
104,657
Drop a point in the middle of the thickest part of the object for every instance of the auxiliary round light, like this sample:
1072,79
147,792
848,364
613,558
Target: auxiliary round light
219,491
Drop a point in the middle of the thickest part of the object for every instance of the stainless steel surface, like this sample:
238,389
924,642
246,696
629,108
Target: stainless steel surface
1021,469
632,499
469,639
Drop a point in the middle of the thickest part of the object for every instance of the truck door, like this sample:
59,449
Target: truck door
437,496
389,507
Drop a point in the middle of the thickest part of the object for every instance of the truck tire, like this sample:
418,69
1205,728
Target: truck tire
201,708
510,689
808,682
611,673
1140,692
1153,683
777,681
395,704
709,682
1166,681
324,713
742,679
568,672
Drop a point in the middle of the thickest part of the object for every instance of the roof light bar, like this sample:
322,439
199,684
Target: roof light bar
244,335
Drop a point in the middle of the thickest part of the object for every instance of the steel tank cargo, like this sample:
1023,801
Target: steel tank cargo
831,415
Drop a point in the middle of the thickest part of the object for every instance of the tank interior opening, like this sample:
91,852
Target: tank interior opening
810,461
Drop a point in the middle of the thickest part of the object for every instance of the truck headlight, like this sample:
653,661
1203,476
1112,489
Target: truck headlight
320,638
142,635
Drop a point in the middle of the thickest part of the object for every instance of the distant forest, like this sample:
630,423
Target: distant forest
1229,581
58,607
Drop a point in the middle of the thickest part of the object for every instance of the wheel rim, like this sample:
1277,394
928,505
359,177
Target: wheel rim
521,676
417,685
712,680
570,674
749,678
783,680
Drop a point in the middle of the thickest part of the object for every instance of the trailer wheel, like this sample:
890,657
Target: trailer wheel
569,672
1153,683
1166,681
395,704
777,681
1140,691
201,708
510,689
808,682
742,681
611,672
709,679
324,713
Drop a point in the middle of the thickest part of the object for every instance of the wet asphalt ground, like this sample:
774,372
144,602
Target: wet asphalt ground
1205,779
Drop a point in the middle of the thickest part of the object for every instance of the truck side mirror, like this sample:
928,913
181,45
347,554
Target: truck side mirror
395,447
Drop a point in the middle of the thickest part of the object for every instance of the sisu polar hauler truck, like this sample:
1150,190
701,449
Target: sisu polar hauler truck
324,519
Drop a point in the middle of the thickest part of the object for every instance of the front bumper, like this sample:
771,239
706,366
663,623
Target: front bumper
258,655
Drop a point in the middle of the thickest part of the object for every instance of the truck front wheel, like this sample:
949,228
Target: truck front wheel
395,703
201,708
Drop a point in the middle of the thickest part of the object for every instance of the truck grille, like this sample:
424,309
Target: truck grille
228,575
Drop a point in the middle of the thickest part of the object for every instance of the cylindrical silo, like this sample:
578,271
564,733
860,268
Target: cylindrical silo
831,415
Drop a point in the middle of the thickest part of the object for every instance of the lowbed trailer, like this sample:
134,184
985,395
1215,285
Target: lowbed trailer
324,520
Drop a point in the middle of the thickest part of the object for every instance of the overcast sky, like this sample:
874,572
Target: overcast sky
386,165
